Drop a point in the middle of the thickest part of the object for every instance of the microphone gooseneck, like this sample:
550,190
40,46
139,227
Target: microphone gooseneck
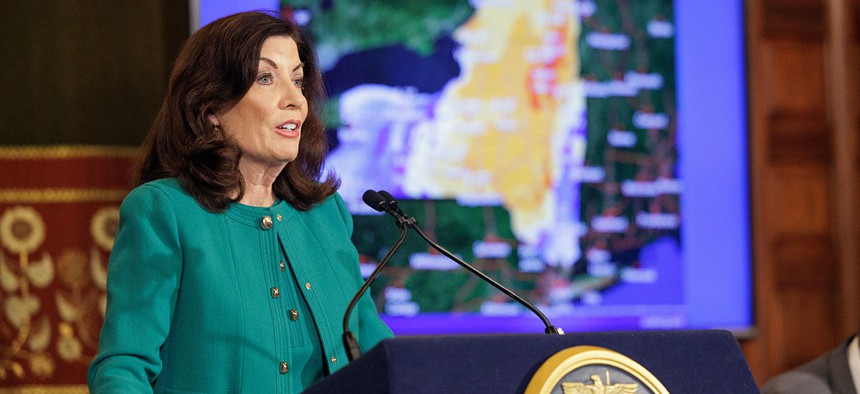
350,343
394,210
382,201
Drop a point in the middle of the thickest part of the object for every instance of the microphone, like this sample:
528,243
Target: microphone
393,209
381,201
377,202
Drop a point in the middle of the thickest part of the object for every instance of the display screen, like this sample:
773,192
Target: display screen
591,156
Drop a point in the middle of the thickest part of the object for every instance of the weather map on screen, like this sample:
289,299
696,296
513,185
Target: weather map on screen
537,140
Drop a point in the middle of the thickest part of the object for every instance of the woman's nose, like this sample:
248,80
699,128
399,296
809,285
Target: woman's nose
293,97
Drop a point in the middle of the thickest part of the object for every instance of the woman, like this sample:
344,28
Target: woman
233,266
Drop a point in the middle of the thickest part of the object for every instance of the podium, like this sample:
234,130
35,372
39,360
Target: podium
695,361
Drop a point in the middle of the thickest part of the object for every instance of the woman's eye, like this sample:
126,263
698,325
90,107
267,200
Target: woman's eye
299,82
265,79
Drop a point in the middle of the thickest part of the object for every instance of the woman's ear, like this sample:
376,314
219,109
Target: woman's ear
214,119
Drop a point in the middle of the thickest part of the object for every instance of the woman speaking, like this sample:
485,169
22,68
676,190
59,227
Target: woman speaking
233,265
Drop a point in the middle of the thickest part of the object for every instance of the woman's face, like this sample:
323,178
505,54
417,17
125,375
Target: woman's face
267,122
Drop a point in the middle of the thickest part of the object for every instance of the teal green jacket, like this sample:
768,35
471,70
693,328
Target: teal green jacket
246,301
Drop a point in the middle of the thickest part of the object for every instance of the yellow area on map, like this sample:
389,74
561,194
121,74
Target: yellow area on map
498,127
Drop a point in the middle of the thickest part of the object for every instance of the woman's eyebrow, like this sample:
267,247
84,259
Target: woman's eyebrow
267,60
274,65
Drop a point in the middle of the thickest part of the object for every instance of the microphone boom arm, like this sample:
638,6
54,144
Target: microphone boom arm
382,201
390,205
350,343
550,329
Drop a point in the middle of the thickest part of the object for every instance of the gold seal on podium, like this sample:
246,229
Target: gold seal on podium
592,370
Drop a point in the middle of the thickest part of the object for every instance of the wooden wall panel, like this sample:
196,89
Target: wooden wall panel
800,198
792,83
842,110
793,72
802,313
802,19
798,136
806,289
805,263
803,88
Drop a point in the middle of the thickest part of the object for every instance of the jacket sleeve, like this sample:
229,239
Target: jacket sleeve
142,284
372,329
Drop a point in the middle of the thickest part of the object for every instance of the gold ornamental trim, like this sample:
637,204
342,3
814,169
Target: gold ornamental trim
25,152
60,195
550,374
69,389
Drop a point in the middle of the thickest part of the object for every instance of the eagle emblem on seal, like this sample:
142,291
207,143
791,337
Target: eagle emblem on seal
598,387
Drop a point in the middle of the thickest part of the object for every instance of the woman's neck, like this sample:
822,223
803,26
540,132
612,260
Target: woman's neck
258,196
258,185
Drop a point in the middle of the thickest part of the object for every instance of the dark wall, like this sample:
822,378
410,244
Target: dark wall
85,72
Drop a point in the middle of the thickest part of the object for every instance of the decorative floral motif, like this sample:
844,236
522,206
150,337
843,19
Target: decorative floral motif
42,365
8,279
40,336
68,346
16,368
19,310
41,272
67,311
98,270
72,268
104,225
22,229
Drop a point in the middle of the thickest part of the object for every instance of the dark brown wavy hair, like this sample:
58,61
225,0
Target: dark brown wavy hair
214,70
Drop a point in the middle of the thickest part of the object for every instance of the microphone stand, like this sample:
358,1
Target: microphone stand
350,343
402,217
550,329
383,201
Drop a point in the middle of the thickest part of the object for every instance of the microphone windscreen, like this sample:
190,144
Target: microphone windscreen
387,197
373,200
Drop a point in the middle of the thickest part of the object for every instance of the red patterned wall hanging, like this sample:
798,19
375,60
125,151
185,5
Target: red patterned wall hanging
59,208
